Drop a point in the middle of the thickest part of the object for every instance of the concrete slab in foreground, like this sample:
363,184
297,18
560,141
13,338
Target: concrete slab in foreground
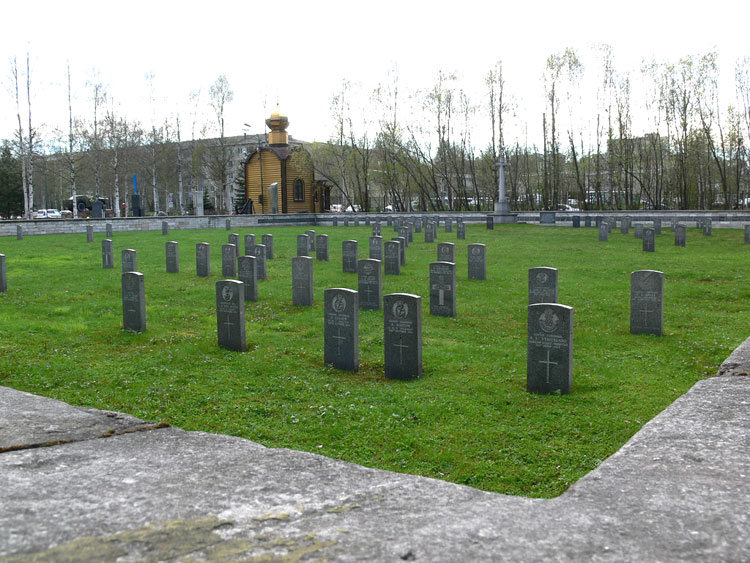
678,491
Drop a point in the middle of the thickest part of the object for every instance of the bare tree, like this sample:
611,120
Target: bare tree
21,143
220,95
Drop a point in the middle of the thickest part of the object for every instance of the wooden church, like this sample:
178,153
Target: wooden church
290,168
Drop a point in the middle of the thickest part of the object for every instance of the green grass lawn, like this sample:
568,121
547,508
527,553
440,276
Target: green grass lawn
469,419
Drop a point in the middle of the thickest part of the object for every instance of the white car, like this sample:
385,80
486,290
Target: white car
53,214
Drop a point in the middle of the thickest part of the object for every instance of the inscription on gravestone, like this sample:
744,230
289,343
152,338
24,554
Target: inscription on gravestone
542,285
230,315
249,245
446,252
248,275
321,248
228,260
260,251
203,259
268,243
303,245
129,260
402,320
443,289
376,247
549,352
3,275
679,235
349,254
133,302
392,258
302,281
370,283
108,254
477,256
341,336
649,240
647,302
173,257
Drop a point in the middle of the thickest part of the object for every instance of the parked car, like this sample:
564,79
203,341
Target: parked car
566,207
53,214
355,209
336,208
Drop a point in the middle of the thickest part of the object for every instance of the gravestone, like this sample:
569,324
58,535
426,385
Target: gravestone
389,221
89,233
707,226
164,228
461,230
376,247
403,233
370,283
129,260
108,228
542,285
302,281
477,256
230,315
418,226
587,221
392,258
228,224
335,221
173,257
673,224
249,245
598,220
367,221
625,226
409,233
679,235
657,225
341,334
402,326
603,231
446,252
259,251
649,240
247,273
638,230
396,225
547,218
228,260
401,249
321,248
133,302
311,239
576,221
108,254
3,275
443,289
19,233
303,245
647,302
349,254
377,230
97,210
234,239
268,243
549,351
747,234
203,259
346,221
429,233
448,225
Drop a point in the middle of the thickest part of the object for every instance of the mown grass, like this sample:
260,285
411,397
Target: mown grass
467,420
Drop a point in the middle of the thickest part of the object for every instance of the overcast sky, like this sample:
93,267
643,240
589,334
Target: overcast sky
299,52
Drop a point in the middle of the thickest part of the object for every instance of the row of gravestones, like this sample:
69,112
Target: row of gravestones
648,235
416,224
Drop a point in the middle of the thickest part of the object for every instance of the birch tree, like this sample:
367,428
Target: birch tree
21,142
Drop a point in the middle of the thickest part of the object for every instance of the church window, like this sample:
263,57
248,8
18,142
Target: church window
299,190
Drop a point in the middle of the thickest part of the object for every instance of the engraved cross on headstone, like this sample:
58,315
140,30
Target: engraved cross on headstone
401,347
338,339
646,312
549,363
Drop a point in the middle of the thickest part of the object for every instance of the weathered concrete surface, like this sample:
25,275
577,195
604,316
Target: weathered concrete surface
678,491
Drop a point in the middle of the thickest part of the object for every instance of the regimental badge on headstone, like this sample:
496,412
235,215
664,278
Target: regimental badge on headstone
341,337
230,314
402,320
647,302
549,355
446,252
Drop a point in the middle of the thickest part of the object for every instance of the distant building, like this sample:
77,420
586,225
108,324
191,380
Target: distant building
288,165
